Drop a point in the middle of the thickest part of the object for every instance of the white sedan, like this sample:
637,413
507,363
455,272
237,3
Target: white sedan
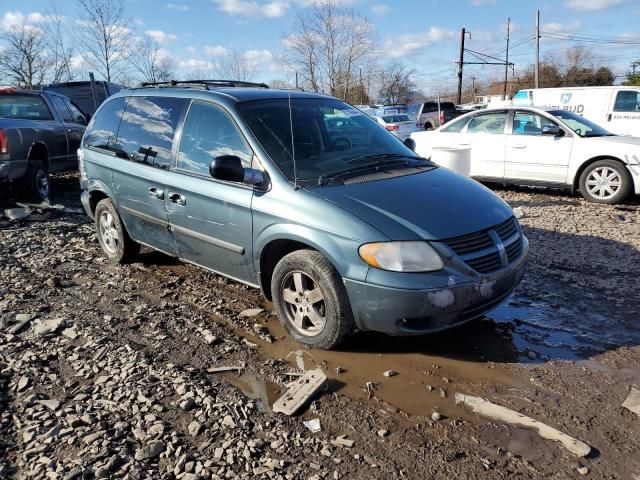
548,147
400,124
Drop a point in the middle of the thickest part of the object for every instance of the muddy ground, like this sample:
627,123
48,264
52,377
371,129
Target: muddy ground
103,368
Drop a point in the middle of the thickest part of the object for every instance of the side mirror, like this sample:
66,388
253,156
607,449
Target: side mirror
230,169
552,130
410,143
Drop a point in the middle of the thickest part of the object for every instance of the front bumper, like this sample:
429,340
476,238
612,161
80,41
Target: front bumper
397,311
84,199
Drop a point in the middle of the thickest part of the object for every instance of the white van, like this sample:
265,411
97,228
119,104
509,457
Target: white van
617,109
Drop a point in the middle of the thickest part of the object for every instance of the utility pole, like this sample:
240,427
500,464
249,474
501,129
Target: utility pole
537,67
506,62
460,65
296,80
473,86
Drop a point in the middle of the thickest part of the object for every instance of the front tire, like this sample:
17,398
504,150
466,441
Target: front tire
310,300
35,183
605,181
112,236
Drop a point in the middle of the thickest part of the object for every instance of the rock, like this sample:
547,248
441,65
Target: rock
228,421
16,213
390,373
532,355
518,212
50,404
313,425
583,471
152,450
342,441
194,428
92,437
187,404
52,282
632,403
382,433
22,383
48,326
436,417
251,312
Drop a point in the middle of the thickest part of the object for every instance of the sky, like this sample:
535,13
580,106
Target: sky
423,34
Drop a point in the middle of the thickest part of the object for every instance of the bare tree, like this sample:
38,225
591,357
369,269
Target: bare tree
396,85
235,65
104,37
60,52
24,61
151,62
328,46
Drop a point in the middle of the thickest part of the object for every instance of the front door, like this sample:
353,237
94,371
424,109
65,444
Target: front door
142,174
534,156
625,118
487,139
211,219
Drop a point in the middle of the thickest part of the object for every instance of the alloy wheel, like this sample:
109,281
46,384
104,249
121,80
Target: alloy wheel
304,303
603,182
109,233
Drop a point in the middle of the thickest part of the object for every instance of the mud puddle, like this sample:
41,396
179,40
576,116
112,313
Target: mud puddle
265,393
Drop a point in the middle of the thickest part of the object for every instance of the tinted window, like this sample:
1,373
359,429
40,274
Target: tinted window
29,107
78,116
103,128
526,123
493,122
580,125
396,118
208,133
62,108
627,101
456,126
147,128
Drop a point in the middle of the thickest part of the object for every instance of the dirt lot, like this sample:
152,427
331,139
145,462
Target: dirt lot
103,368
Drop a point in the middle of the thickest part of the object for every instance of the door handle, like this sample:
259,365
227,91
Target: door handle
464,144
155,193
519,147
609,117
177,198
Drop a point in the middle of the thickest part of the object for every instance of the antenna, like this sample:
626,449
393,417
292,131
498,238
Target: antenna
293,147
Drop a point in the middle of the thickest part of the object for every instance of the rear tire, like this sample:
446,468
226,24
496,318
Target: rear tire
35,185
310,300
112,236
605,181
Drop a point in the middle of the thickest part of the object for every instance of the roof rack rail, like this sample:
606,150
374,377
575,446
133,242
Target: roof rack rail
205,83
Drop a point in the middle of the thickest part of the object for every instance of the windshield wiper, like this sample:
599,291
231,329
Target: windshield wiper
325,178
377,155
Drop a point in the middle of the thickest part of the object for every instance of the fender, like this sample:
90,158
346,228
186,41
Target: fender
39,144
318,240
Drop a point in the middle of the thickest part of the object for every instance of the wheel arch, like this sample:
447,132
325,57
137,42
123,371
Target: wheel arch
39,151
576,179
97,191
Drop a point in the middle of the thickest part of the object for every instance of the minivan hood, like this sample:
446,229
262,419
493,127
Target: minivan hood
431,205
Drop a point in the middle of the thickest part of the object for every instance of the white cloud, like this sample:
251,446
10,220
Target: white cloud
161,37
480,3
592,5
268,8
215,50
380,9
178,6
258,56
557,27
412,43
195,64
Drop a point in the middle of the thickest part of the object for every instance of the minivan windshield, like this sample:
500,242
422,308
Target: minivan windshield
329,137
580,125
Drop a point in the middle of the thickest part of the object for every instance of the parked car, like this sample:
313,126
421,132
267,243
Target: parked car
86,95
432,115
342,228
401,125
40,133
616,107
536,146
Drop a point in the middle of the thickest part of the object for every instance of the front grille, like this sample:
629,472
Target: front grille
491,249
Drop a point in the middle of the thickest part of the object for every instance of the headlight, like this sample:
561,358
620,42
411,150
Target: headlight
401,256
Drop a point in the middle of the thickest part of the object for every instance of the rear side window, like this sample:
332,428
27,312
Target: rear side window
78,116
25,107
627,101
62,109
103,128
456,126
493,123
147,128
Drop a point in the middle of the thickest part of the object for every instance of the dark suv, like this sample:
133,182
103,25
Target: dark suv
339,223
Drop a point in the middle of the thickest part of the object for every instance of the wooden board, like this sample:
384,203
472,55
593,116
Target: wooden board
300,392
